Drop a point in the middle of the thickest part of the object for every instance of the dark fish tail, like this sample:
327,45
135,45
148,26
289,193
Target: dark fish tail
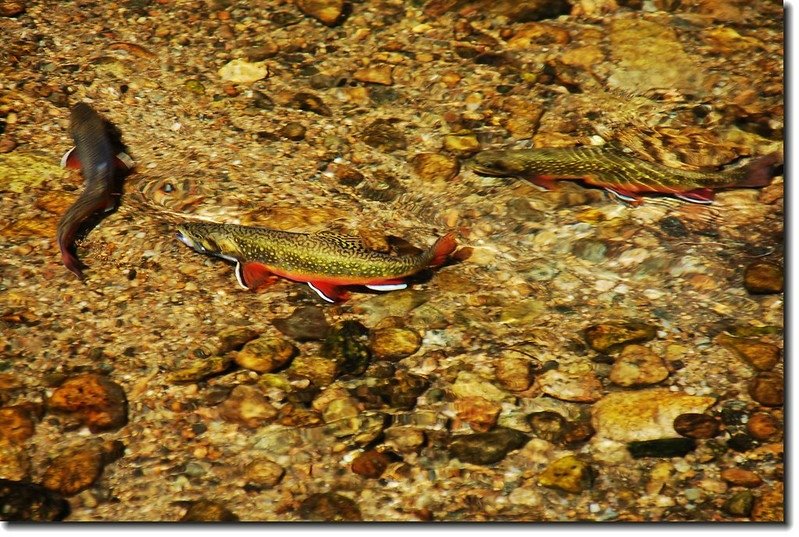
91,201
760,171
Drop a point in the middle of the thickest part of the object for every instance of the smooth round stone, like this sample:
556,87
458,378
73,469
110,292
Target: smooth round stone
435,166
370,464
695,425
548,425
741,478
394,343
763,277
638,366
74,470
263,473
329,506
265,354
607,337
763,426
740,504
486,448
768,389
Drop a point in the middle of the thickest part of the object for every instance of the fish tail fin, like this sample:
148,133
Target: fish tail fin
441,249
760,171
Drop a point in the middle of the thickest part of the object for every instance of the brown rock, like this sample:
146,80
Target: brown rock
763,426
761,355
371,464
405,439
534,34
329,506
16,424
514,371
741,478
319,370
578,388
95,400
200,369
383,135
693,425
265,354
25,501
208,511
638,366
74,470
548,425
263,474
307,323
375,74
394,343
577,431
463,144
479,413
14,462
608,337
768,389
569,474
248,407
328,12
435,166
233,339
763,277
293,131
11,8
770,506
310,103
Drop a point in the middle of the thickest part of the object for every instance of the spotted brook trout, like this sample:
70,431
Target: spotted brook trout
620,174
327,262
99,156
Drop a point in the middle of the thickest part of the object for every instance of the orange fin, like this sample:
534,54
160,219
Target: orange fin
442,248
700,195
625,196
547,182
254,276
387,285
70,160
329,292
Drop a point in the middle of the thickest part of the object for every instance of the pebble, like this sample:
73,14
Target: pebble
481,414
699,426
307,323
329,507
435,166
247,406
535,34
768,389
383,135
94,400
293,130
208,511
74,470
11,8
761,355
741,442
309,102
770,505
522,312
468,384
647,414
348,347
375,74
265,354
328,12
763,277
15,463
577,387
486,448
404,389
609,337
638,366
463,144
241,71
25,501
548,425
405,439
662,447
233,339
514,371
16,424
394,343
370,464
741,478
263,474
763,426
577,432
673,226
590,250
395,304
200,369
569,474
739,504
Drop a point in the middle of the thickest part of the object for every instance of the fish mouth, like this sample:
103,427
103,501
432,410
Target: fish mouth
189,242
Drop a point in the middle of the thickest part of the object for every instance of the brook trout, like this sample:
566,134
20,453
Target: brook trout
621,174
327,262
99,156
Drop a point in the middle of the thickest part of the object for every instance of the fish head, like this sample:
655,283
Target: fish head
497,164
197,237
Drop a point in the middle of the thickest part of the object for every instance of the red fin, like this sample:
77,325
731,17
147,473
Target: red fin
544,181
329,292
70,160
704,196
254,276
760,171
442,248
625,196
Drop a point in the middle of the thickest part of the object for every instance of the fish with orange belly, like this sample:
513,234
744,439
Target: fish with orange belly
620,174
99,155
327,262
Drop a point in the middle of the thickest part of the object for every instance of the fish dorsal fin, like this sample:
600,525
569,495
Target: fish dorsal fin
345,241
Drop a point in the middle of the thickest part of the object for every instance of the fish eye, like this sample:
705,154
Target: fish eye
167,188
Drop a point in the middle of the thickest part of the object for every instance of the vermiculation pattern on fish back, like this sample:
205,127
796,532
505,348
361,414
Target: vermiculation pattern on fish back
309,254
615,168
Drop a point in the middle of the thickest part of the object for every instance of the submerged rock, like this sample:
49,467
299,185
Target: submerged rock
265,354
74,470
569,474
662,447
371,464
609,337
486,448
24,501
768,389
638,366
307,323
693,425
329,507
243,72
759,354
394,343
95,400
208,511
328,12
763,277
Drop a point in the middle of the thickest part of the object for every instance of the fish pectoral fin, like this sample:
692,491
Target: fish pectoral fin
547,182
329,292
704,196
625,196
254,276
70,160
387,285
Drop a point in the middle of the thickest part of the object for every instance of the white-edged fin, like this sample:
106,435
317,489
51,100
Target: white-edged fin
622,197
125,159
694,199
240,274
387,287
321,294
65,158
